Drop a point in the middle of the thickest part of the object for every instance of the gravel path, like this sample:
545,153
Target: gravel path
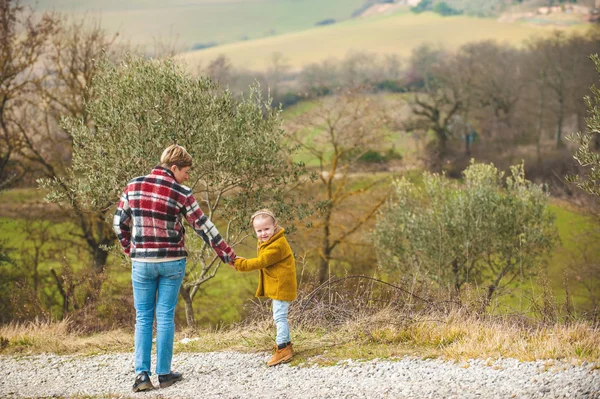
236,375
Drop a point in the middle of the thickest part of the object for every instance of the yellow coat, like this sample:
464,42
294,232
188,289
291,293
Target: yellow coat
276,267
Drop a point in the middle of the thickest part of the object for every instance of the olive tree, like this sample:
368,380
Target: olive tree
484,232
138,108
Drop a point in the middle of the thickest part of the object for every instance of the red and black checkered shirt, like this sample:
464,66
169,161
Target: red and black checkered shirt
148,220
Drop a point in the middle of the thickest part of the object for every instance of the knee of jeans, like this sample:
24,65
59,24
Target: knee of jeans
165,316
144,320
161,324
281,319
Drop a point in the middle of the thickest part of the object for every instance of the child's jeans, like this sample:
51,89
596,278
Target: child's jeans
280,315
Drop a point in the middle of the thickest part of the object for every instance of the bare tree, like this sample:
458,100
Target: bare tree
337,133
276,73
219,70
70,69
23,38
560,73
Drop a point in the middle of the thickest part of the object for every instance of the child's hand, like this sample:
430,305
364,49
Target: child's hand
232,263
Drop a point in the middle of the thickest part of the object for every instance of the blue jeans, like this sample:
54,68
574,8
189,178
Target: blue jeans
280,315
155,289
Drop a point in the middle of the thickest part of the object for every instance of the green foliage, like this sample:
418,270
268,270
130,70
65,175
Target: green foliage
445,10
586,155
371,156
142,106
480,232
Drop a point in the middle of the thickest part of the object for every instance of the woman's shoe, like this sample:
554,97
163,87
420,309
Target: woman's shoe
167,380
142,382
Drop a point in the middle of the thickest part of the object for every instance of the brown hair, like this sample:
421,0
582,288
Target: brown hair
175,155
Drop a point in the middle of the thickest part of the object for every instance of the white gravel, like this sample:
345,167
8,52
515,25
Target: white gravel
236,375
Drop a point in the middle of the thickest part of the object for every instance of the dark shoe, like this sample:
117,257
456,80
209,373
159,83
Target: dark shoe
142,383
167,380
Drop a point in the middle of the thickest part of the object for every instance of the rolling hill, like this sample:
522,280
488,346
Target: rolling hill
394,34
199,22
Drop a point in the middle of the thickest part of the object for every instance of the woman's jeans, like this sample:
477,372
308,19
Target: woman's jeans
155,289
280,315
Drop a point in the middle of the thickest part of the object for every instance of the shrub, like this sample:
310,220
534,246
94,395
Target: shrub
486,232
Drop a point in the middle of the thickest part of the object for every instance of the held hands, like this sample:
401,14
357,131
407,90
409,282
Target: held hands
232,262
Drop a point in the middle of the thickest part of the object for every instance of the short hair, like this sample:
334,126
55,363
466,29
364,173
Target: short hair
263,213
175,155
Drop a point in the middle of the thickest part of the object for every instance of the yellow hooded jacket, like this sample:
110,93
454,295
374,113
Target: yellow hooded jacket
276,267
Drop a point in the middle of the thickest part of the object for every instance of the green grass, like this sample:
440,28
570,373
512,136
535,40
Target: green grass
570,225
21,195
203,21
396,34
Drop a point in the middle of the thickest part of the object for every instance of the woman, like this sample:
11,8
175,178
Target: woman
148,223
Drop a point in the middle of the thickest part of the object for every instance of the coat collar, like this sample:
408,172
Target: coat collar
275,237
160,171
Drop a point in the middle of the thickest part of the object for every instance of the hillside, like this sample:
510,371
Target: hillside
398,34
195,23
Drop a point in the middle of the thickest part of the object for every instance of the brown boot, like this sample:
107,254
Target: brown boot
281,355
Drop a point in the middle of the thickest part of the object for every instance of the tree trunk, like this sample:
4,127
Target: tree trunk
559,123
325,258
189,306
63,293
455,271
539,132
100,256
492,288
325,249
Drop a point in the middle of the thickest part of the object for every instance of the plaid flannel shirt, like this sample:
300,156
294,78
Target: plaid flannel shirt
148,220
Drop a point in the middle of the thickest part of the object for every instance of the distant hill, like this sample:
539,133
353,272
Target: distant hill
393,34
197,23
494,8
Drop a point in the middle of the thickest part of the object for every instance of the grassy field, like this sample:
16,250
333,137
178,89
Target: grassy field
203,21
395,34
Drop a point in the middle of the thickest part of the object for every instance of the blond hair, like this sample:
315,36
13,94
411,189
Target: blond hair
263,213
175,155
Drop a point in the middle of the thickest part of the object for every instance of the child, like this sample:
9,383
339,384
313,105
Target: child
277,277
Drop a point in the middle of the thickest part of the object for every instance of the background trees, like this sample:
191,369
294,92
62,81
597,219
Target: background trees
337,133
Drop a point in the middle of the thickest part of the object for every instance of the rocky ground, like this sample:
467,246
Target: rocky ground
237,375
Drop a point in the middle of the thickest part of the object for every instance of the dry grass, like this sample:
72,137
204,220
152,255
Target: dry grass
386,334
60,338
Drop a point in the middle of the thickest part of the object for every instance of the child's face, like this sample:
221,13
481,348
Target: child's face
264,227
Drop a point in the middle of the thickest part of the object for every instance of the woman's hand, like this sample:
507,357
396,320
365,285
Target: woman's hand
232,263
